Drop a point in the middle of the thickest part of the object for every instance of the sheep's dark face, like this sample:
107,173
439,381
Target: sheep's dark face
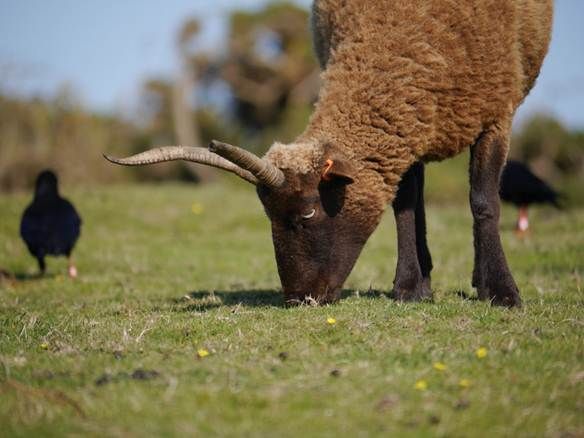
317,236
322,213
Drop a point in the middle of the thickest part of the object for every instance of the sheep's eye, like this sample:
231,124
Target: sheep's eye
309,215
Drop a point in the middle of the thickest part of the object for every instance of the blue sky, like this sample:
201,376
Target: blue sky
106,48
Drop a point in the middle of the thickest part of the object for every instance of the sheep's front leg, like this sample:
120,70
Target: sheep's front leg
408,282
491,275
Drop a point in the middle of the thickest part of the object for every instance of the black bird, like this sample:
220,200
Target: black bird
519,186
50,224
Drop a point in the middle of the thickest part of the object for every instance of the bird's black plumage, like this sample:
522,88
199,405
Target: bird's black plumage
50,224
521,187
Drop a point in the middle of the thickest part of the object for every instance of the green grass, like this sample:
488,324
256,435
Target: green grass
158,282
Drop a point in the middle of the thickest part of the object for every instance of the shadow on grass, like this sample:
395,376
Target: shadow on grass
9,276
201,300
24,276
465,296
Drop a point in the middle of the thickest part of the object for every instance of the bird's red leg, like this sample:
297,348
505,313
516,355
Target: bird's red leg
522,221
72,269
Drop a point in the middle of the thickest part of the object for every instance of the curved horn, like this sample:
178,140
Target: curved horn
262,169
194,154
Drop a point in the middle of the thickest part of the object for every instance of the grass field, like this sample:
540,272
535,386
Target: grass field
169,273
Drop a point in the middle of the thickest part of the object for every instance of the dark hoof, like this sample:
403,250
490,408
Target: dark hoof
501,296
507,301
420,292
427,289
476,280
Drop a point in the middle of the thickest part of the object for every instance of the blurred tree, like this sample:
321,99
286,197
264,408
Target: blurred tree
260,88
548,146
156,110
271,78
58,133
268,74
183,95
271,70
158,128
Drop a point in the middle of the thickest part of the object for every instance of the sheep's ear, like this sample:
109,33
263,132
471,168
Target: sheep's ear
338,170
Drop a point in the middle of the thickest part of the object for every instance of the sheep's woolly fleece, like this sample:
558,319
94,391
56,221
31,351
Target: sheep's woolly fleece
417,80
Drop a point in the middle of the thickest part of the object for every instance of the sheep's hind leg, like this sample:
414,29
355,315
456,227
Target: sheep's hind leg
408,282
424,257
491,275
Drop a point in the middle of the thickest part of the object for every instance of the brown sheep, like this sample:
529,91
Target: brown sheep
404,83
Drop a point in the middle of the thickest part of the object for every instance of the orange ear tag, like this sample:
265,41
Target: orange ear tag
328,166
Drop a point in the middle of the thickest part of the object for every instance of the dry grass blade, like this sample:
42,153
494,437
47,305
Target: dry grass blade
50,395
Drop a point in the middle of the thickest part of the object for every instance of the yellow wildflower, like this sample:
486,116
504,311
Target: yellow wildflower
331,321
481,352
439,366
464,383
421,385
201,352
197,208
